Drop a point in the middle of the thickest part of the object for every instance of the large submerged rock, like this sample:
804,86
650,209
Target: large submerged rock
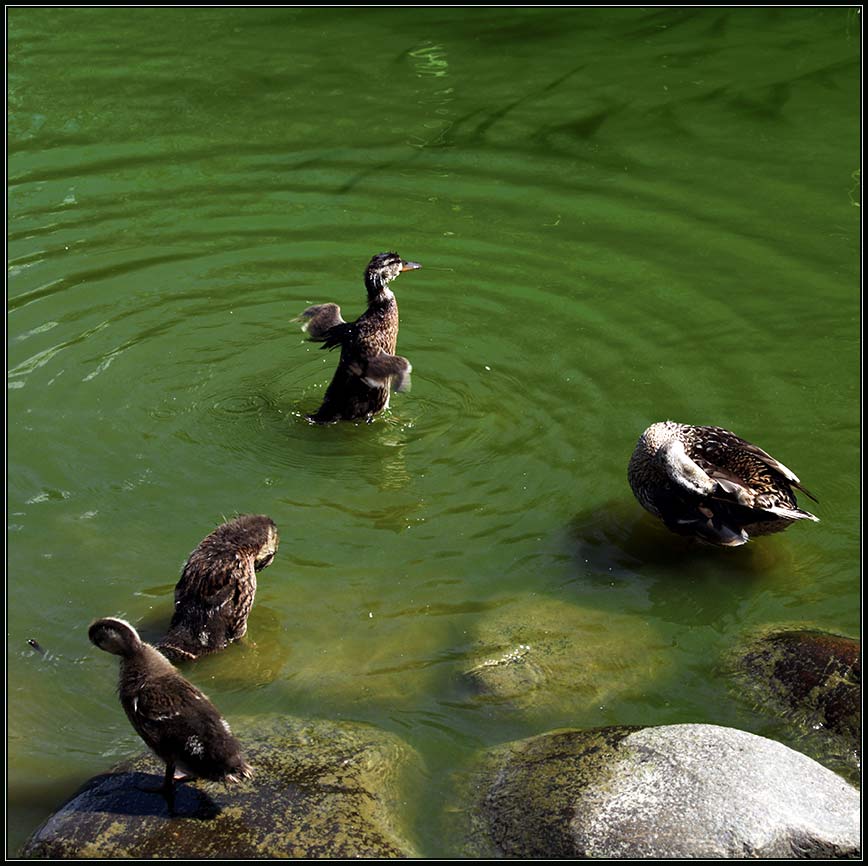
542,655
321,789
677,791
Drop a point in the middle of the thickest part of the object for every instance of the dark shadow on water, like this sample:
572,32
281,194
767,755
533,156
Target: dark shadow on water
582,127
620,538
620,550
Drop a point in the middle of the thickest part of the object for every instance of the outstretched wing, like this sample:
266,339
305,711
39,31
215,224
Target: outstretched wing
319,319
379,371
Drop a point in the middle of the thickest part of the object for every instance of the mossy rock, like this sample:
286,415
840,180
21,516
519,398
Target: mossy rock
675,791
320,789
810,678
544,655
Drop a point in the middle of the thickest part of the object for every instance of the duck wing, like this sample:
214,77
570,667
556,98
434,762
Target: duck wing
725,450
164,709
179,723
756,484
320,319
381,369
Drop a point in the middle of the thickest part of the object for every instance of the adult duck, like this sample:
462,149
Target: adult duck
709,483
368,366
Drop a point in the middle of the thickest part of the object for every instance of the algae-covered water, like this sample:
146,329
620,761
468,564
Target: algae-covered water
623,215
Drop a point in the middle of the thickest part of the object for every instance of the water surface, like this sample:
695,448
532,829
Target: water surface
624,215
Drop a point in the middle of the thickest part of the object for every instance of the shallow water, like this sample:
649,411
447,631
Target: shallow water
623,215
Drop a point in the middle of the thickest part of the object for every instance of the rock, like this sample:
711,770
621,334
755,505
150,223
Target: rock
545,655
812,679
321,789
676,791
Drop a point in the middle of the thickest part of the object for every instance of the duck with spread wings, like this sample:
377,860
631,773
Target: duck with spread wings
368,366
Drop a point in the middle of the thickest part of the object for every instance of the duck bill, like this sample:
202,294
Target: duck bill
409,266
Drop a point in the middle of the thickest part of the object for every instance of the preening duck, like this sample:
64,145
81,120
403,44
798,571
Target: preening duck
214,596
176,720
368,365
709,483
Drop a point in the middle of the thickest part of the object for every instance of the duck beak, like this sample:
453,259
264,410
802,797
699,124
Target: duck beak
409,266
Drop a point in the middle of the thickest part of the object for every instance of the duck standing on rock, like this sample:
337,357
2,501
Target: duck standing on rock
176,720
368,365
711,484
214,596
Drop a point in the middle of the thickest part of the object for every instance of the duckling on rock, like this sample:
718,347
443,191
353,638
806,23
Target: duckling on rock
176,720
214,596
711,484
368,365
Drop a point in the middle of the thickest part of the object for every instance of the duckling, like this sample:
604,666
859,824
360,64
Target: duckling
711,484
176,720
368,365
214,596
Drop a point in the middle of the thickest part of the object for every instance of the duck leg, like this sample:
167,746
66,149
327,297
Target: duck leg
167,788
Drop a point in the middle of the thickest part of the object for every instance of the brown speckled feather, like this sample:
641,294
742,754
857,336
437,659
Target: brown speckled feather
723,454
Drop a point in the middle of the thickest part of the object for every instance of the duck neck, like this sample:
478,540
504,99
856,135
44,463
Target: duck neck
378,289
145,661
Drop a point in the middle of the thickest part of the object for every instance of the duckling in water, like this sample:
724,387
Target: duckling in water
711,484
217,587
368,365
176,720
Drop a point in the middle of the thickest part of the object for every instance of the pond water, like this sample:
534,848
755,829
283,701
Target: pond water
623,215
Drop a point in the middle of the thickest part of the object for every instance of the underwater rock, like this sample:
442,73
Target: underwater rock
676,791
320,790
547,655
811,678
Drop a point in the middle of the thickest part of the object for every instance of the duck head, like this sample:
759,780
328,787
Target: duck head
269,546
383,268
114,636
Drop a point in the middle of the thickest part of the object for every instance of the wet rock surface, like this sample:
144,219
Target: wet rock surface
321,789
810,678
816,671
697,791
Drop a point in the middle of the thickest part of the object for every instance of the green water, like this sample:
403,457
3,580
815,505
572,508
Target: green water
624,215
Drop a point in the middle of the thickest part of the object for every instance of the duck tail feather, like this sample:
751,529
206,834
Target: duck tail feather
791,513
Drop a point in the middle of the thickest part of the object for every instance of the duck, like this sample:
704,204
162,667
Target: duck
214,596
175,719
368,366
706,482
